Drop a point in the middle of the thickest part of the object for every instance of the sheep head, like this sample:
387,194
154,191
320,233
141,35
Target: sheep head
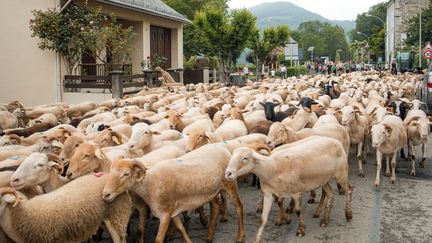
87,158
242,162
69,147
108,138
36,170
123,175
198,138
277,135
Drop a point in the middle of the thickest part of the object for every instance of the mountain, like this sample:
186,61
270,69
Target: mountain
276,13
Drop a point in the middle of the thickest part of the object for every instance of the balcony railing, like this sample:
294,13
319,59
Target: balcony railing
102,69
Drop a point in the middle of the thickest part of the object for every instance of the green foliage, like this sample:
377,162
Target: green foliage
356,49
223,35
326,39
197,63
296,71
262,43
251,67
372,27
152,63
189,8
79,29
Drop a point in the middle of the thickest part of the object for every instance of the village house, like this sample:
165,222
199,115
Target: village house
35,77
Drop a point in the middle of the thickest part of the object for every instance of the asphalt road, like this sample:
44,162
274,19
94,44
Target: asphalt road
400,212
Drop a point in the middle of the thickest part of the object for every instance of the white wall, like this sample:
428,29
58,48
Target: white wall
27,74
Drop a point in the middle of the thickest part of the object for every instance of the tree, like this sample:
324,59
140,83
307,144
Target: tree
372,27
223,35
262,43
79,29
189,8
326,39
357,49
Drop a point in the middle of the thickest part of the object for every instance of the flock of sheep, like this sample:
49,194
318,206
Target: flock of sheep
69,171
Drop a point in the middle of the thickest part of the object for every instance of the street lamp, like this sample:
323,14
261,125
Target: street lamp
380,19
360,33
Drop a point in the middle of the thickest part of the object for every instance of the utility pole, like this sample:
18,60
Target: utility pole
420,34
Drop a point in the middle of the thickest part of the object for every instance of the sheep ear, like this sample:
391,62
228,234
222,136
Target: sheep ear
99,154
139,169
56,143
55,166
261,103
10,198
389,131
116,137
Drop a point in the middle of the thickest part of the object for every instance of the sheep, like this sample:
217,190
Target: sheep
39,169
26,132
275,117
45,118
70,144
88,157
417,128
108,137
388,137
300,118
58,111
161,154
182,191
110,104
231,129
357,125
293,171
105,117
60,133
80,109
43,145
57,210
8,120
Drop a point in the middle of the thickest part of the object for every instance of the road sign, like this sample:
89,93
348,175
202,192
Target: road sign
427,54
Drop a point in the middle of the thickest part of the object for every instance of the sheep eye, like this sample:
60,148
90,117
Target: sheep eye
146,132
39,165
126,174
86,156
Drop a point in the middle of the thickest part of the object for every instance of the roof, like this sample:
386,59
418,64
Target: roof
153,7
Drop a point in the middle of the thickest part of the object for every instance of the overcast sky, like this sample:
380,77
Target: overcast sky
330,9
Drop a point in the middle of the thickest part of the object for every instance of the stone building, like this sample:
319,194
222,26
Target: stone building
398,13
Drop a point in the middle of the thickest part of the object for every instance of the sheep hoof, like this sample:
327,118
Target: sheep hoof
289,211
278,223
324,223
316,216
361,174
376,185
224,220
300,232
209,241
393,181
387,174
311,200
423,163
259,210
412,174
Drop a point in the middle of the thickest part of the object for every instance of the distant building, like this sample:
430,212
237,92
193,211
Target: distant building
398,13
35,77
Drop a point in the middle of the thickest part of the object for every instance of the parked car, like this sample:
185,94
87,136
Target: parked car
425,90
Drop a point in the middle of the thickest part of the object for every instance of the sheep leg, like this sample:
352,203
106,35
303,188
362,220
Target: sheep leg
320,204
312,197
364,154
117,235
179,225
215,207
393,165
423,160
411,147
233,192
268,201
225,206
260,206
330,197
359,158
297,208
165,220
282,214
378,167
143,210
291,205
387,173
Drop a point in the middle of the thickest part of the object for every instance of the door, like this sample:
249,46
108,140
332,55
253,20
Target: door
160,44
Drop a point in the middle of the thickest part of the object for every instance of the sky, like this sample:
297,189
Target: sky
330,9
